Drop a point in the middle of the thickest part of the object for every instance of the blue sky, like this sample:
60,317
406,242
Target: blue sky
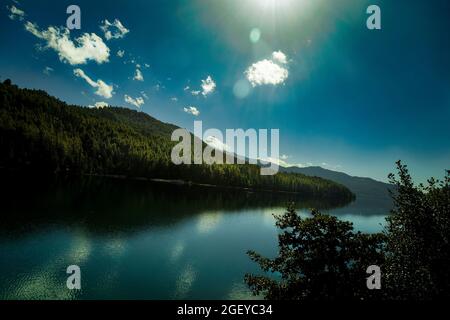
344,97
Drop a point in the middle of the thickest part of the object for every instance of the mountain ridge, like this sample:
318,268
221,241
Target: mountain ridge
364,188
42,133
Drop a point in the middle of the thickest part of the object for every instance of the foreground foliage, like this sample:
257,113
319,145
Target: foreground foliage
320,258
418,239
323,258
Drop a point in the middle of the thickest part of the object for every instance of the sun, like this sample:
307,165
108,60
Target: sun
273,4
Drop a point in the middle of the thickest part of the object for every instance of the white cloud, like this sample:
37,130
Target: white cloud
120,53
48,70
195,92
138,75
330,166
266,72
137,102
103,89
282,161
99,105
279,56
192,110
146,65
16,13
186,88
217,144
114,30
175,99
276,161
208,86
86,47
300,165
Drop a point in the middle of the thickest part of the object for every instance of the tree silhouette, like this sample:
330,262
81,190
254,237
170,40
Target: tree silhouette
322,257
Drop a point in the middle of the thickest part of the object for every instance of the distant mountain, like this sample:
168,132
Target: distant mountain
358,185
367,190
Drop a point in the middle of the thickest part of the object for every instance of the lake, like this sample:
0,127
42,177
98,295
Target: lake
140,239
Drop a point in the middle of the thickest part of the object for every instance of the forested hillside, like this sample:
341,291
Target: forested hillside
369,192
39,132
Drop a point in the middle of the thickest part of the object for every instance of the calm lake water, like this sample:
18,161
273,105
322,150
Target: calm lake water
141,240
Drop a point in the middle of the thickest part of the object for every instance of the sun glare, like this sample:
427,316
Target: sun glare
273,4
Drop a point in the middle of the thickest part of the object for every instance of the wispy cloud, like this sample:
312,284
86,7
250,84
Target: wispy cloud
47,70
103,89
120,53
115,30
330,166
15,13
192,110
137,102
86,47
144,95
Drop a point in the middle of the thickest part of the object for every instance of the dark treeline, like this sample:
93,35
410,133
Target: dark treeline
44,134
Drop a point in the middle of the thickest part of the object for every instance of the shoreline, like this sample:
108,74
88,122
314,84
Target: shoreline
188,183
177,182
